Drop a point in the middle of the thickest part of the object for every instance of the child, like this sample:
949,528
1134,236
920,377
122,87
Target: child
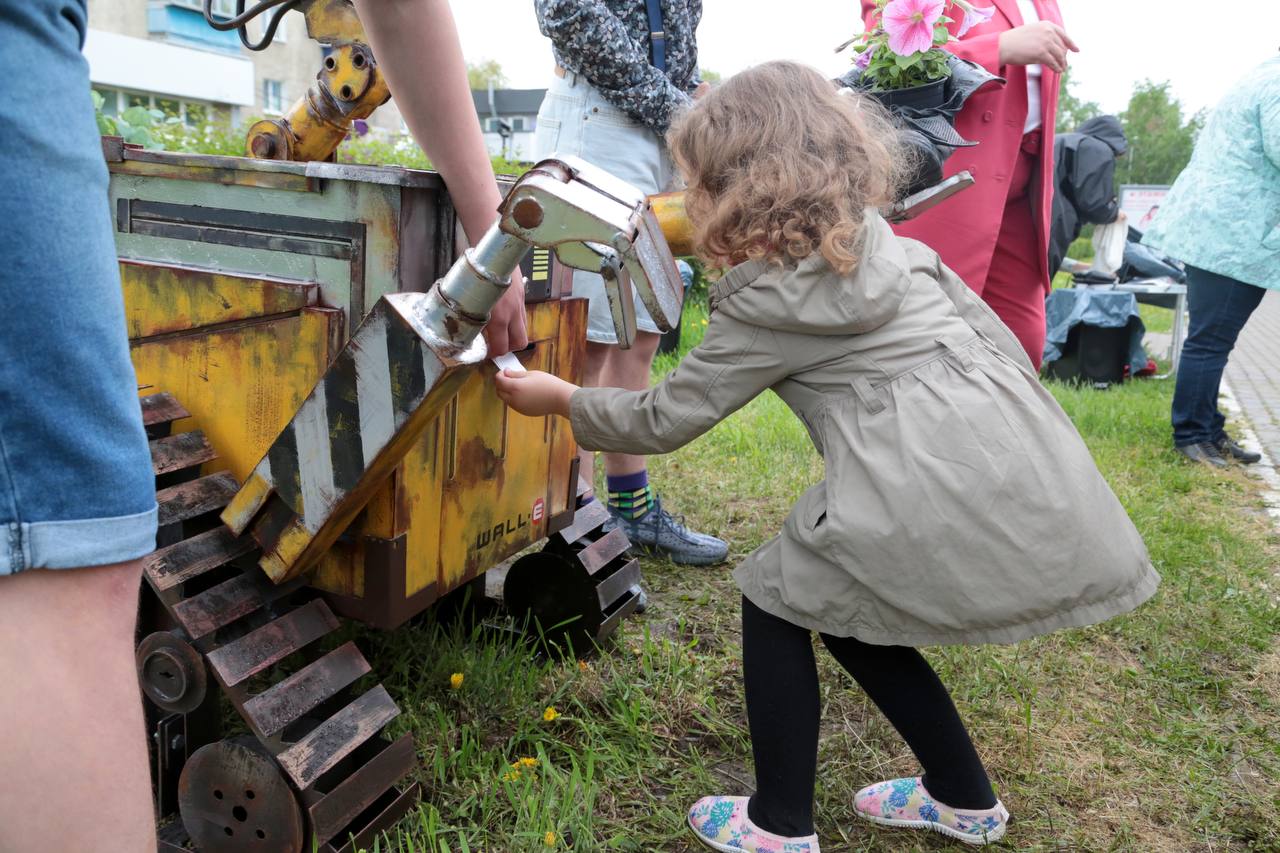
960,505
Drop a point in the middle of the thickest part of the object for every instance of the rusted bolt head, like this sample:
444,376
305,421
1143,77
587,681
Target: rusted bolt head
527,213
263,147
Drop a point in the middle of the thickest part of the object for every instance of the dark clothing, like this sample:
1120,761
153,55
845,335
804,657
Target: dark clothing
781,681
1219,308
607,42
1084,168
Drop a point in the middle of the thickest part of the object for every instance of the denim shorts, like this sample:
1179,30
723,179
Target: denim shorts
576,120
76,487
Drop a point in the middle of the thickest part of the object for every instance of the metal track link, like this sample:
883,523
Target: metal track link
266,650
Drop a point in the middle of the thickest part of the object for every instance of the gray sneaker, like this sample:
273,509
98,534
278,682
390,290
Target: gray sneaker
657,532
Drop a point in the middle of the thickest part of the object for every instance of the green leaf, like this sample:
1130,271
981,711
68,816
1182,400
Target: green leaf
98,100
137,116
106,126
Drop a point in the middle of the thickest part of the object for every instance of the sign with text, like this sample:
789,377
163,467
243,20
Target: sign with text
1141,202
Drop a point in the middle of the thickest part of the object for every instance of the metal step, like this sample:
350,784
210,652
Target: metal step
337,737
604,550
272,643
230,600
161,409
195,497
349,798
184,560
176,452
289,700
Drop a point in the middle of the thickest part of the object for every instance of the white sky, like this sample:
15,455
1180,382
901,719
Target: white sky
1121,41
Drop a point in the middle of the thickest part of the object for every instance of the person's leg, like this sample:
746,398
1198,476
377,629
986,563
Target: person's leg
780,680
1219,308
74,755
1015,285
910,695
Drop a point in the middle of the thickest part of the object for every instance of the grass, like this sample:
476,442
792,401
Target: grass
1155,731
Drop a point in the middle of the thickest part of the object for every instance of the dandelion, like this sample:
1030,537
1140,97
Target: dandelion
704,322
528,762
550,714
583,666
909,24
455,680
549,839
511,776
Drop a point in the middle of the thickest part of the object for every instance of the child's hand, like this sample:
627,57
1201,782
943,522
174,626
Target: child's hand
535,393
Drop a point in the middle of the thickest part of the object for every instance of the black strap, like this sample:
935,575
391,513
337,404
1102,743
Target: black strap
657,35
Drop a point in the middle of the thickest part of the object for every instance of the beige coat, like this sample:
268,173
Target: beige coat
960,504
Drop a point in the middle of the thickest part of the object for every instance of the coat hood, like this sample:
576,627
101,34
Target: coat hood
812,298
1106,129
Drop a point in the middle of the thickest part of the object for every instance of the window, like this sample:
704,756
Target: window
221,8
272,96
170,107
193,113
133,99
518,124
197,115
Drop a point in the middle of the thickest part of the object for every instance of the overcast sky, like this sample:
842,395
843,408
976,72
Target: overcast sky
1121,41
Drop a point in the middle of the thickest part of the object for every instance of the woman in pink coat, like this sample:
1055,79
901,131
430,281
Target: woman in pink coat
995,234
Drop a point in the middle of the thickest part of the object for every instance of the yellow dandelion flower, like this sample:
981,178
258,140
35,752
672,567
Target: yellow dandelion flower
455,680
550,714
583,665
704,322
528,762
511,776
549,839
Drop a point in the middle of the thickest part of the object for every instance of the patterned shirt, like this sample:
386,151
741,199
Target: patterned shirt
607,42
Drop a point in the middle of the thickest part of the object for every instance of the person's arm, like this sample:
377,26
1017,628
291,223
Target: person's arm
606,56
416,45
733,364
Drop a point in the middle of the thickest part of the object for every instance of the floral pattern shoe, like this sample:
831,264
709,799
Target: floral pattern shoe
905,802
721,823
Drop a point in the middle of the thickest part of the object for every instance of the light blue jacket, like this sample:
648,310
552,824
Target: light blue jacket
1223,213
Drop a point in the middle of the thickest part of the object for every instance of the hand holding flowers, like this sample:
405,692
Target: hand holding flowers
903,49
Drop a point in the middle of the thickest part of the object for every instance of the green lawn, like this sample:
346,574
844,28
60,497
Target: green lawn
1156,731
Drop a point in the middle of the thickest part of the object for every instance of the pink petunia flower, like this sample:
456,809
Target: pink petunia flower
973,15
910,23
864,58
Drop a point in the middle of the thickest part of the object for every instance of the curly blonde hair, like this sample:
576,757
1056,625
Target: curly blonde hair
780,165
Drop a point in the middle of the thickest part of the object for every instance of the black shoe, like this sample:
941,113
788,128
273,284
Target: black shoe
1228,447
1204,451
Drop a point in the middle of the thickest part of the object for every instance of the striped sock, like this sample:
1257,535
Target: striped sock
630,494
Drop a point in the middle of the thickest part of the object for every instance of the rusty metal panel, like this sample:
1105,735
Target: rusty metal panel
210,169
226,602
183,561
241,381
288,701
175,452
161,409
361,789
588,518
615,586
195,497
273,642
161,298
385,819
337,737
599,553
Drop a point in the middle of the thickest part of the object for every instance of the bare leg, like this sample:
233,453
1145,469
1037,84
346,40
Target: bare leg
610,366
74,761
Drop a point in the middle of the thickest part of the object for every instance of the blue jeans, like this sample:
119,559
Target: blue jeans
1219,307
76,487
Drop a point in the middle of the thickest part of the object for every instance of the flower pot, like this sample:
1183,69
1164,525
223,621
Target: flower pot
923,97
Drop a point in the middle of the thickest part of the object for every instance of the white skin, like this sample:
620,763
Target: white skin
1042,43
74,759
417,48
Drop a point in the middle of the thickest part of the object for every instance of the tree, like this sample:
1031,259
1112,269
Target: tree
481,74
1160,141
1072,112
708,75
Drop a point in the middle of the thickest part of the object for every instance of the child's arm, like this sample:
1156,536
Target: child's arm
733,364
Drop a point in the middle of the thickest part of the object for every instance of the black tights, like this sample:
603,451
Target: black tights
781,679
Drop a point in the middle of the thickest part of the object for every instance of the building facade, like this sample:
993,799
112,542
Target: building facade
508,118
162,54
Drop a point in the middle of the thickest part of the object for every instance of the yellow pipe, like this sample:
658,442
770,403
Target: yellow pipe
674,219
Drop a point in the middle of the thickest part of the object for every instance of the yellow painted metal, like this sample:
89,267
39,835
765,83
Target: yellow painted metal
242,381
670,210
348,87
245,503
162,298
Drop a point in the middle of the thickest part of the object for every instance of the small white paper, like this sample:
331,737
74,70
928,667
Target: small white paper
509,362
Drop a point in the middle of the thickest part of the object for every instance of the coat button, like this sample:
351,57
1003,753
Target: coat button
973,170
987,116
